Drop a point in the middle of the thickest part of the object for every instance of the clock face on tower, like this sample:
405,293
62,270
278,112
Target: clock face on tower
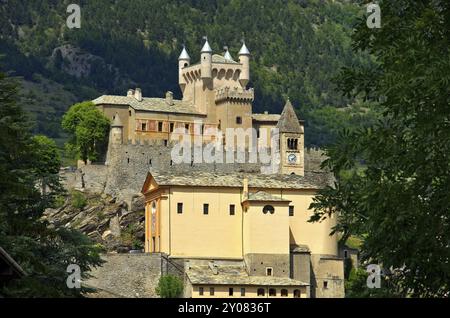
292,158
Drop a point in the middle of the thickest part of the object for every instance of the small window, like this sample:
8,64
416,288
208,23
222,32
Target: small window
144,127
200,291
291,210
165,142
129,113
172,125
242,292
284,293
205,208
269,271
261,292
325,284
232,209
297,293
268,209
180,207
160,126
211,291
345,254
230,291
202,128
186,126
238,120
272,292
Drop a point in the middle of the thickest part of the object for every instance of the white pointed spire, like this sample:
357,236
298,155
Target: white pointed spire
244,50
206,47
227,54
184,54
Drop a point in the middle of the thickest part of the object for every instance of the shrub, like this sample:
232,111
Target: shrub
169,286
78,200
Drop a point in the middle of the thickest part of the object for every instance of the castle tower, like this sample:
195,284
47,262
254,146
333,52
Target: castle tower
244,59
184,60
116,130
291,142
206,61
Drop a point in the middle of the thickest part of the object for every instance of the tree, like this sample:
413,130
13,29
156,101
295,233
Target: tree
169,286
43,251
392,178
88,128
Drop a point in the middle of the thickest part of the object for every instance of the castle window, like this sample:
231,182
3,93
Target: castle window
325,284
160,126
242,292
150,162
261,292
211,291
171,127
232,209
238,120
165,142
200,291
268,209
129,113
296,293
291,210
186,126
143,126
292,144
272,292
284,293
230,291
269,271
179,207
205,208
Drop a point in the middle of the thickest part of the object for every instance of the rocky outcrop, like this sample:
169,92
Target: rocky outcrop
116,225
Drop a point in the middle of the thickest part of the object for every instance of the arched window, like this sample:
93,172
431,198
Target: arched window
297,293
261,292
284,293
272,292
268,209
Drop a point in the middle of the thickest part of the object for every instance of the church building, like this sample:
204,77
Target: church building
239,233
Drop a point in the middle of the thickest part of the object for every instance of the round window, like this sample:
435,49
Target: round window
268,209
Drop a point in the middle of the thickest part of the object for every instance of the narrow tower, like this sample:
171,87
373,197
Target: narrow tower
291,142
183,61
116,130
206,60
244,59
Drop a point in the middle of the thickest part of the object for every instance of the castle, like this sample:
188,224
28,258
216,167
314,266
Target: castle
239,233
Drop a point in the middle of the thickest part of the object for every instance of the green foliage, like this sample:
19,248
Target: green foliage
129,237
88,129
398,200
77,199
169,286
44,252
297,47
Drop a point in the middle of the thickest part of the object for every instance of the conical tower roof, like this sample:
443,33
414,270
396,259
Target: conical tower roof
184,55
206,47
228,56
288,122
244,50
116,121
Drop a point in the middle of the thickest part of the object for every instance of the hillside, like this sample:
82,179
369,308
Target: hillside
298,46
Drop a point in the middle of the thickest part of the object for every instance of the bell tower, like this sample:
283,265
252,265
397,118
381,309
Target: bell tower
292,142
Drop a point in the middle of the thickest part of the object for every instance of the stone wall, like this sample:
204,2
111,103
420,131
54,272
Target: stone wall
327,277
258,263
126,275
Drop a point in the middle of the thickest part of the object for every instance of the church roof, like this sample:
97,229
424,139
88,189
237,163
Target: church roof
149,104
288,122
216,58
235,275
311,179
264,196
266,117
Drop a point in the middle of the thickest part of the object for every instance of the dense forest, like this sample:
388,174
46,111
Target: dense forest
298,47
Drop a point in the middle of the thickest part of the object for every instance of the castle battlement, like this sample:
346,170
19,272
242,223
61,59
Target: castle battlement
227,93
